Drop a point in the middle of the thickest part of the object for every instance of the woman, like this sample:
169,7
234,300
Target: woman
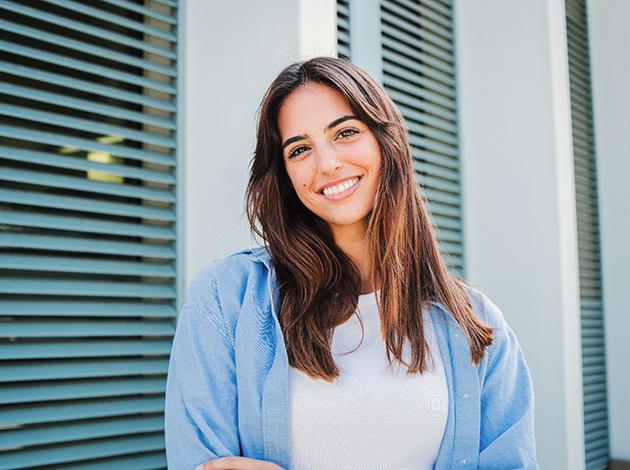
344,343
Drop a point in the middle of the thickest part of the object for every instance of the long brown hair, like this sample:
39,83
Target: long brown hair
319,284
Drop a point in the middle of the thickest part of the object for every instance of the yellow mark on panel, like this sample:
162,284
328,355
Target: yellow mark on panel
106,158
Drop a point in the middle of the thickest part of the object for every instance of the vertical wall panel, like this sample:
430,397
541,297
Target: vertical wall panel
593,347
419,75
343,28
87,231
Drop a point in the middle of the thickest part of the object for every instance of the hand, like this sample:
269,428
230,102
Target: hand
237,463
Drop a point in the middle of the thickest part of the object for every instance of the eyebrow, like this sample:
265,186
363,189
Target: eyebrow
336,122
330,126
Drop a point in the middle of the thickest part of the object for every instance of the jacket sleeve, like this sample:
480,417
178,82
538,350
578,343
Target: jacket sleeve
507,402
201,398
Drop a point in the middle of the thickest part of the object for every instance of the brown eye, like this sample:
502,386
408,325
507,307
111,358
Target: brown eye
348,132
296,152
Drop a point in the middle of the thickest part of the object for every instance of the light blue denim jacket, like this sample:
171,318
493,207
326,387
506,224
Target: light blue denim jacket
227,383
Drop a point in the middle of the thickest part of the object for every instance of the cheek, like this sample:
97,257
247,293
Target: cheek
300,177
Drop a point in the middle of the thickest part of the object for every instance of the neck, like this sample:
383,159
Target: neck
354,245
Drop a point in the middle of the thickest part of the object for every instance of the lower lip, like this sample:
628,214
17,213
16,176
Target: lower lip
343,194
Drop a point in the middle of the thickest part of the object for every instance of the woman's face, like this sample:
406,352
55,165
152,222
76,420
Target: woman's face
333,160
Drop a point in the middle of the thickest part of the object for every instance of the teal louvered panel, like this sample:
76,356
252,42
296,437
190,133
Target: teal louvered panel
419,75
592,314
343,28
88,213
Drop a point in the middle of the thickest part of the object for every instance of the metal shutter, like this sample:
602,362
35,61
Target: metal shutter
88,275
419,75
343,28
593,346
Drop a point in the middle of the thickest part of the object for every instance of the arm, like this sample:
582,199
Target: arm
507,402
237,463
201,396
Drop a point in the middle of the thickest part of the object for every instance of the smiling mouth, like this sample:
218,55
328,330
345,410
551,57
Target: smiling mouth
340,187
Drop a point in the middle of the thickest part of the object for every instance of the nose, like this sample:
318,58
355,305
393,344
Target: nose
328,161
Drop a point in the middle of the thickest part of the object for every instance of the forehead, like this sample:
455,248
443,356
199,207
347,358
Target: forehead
311,106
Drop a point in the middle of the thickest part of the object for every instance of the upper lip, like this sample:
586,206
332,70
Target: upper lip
337,182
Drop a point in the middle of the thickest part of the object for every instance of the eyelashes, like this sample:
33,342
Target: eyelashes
345,133
348,132
296,152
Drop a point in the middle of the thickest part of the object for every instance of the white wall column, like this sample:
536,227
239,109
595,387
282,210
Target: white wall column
609,31
232,52
519,198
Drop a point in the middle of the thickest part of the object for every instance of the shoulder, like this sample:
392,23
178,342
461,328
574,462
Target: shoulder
482,308
232,270
220,288
486,310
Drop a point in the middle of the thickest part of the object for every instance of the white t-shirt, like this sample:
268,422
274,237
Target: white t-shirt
375,415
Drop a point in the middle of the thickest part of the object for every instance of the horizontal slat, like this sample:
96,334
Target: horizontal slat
49,78
420,21
430,183
98,52
425,156
82,349
597,415
427,13
85,205
595,402
80,431
443,210
68,411
83,164
420,115
413,72
71,265
60,370
442,198
85,105
447,105
579,65
85,225
450,236
85,125
80,245
427,149
118,20
86,28
46,392
50,138
429,65
407,96
432,36
85,328
143,10
80,451
84,184
412,40
83,66
169,3
432,67
423,129
447,223
73,308
441,6
28,286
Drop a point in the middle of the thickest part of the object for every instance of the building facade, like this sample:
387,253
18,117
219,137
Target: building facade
126,130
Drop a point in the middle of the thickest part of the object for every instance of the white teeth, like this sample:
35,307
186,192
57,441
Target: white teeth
340,187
